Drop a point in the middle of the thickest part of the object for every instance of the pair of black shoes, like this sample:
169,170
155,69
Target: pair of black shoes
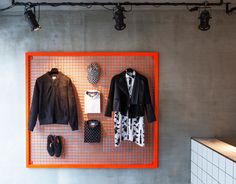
54,145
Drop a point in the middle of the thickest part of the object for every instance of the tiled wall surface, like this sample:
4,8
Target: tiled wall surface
209,167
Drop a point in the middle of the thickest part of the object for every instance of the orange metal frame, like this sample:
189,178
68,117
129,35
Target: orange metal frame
30,55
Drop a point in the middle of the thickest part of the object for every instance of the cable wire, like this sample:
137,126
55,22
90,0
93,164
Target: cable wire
38,13
156,6
110,9
7,8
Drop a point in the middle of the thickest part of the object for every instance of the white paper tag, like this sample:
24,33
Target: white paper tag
54,77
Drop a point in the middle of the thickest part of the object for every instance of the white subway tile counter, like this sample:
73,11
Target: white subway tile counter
212,162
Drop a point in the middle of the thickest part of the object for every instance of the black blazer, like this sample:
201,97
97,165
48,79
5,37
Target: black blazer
53,102
140,101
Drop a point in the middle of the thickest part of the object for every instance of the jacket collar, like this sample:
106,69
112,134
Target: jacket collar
123,86
53,80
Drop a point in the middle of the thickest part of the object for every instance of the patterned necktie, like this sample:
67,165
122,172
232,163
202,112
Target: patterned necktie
130,82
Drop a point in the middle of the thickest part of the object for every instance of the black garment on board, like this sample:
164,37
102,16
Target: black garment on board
139,102
53,101
92,131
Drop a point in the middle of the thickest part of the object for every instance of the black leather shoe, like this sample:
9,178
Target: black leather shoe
58,146
50,145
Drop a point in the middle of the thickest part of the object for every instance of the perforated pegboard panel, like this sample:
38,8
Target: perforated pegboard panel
76,153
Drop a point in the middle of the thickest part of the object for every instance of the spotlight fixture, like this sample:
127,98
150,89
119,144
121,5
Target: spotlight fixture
204,18
119,18
31,19
229,10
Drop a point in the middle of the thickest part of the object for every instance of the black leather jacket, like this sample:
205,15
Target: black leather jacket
53,102
140,100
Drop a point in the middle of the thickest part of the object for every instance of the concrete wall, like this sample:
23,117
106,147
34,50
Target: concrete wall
197,85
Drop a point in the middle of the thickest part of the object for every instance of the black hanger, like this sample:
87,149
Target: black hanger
54,71
129,70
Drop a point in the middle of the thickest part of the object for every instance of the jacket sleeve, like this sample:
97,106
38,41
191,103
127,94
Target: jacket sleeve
34,110
148,103
73,117
109,107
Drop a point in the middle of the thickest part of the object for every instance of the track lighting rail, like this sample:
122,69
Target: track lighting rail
220,3
119,10
89,4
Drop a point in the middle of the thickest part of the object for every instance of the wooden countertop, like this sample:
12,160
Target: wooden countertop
220,147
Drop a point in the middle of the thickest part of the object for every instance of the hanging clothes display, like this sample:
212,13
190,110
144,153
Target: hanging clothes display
92,101
53,101
129,97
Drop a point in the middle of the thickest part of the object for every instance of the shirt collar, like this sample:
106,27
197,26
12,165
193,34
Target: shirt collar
132,75
92,91
57,75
